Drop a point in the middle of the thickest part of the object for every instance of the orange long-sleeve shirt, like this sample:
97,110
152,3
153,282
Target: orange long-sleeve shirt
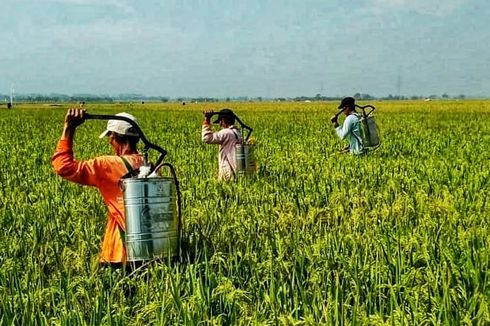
103,172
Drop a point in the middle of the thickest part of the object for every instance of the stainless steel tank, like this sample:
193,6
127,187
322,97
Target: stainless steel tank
152,225
371,131
245,161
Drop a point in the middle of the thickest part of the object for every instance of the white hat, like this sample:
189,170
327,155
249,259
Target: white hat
121,127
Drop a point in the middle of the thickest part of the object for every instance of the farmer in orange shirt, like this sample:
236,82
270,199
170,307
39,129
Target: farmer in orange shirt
103,172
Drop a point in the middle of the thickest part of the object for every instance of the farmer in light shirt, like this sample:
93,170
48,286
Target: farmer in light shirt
104,173
351,129
226,138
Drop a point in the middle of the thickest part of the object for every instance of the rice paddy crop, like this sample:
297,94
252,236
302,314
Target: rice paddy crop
400,236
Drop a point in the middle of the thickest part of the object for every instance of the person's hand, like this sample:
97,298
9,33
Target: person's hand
207,115
74,117
334,119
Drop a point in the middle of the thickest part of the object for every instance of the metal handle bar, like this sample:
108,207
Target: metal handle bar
244,126
148,145
363,108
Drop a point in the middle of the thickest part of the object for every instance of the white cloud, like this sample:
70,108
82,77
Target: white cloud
426,7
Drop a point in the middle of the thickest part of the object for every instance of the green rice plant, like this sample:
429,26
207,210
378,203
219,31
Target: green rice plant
400,236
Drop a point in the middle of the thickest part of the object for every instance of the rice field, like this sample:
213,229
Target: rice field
400,236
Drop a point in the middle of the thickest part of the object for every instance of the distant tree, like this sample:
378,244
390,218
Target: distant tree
367,97
357,96
445,96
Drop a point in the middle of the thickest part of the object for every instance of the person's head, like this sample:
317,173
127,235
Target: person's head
122,135
226,118
348,104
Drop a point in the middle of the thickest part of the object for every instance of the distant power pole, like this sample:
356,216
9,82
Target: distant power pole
399,83
11,103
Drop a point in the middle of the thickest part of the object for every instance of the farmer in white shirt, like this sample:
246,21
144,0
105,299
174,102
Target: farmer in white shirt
227,138
351,129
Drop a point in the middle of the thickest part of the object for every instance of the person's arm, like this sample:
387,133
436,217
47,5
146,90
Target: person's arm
210,137
207,135
64,164
343,131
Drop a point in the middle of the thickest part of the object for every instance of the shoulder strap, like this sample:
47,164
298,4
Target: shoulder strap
231,166
359,140
234,132
130,169
128,166
359,127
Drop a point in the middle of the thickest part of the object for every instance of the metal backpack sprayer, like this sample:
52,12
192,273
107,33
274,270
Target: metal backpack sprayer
244,155
152,205
369,129
370,135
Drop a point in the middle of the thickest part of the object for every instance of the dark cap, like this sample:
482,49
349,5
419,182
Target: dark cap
349,102
225,113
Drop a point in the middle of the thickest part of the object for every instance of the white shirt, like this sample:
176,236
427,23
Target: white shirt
227,138
351,130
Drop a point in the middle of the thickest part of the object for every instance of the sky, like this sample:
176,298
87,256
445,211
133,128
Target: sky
269,48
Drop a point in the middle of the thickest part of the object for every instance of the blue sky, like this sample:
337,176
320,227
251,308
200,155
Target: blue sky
255,48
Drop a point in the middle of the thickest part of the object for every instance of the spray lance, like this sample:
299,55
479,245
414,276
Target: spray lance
244,156
153,222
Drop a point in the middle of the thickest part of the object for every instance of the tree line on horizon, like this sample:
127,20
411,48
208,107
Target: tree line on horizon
91,98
